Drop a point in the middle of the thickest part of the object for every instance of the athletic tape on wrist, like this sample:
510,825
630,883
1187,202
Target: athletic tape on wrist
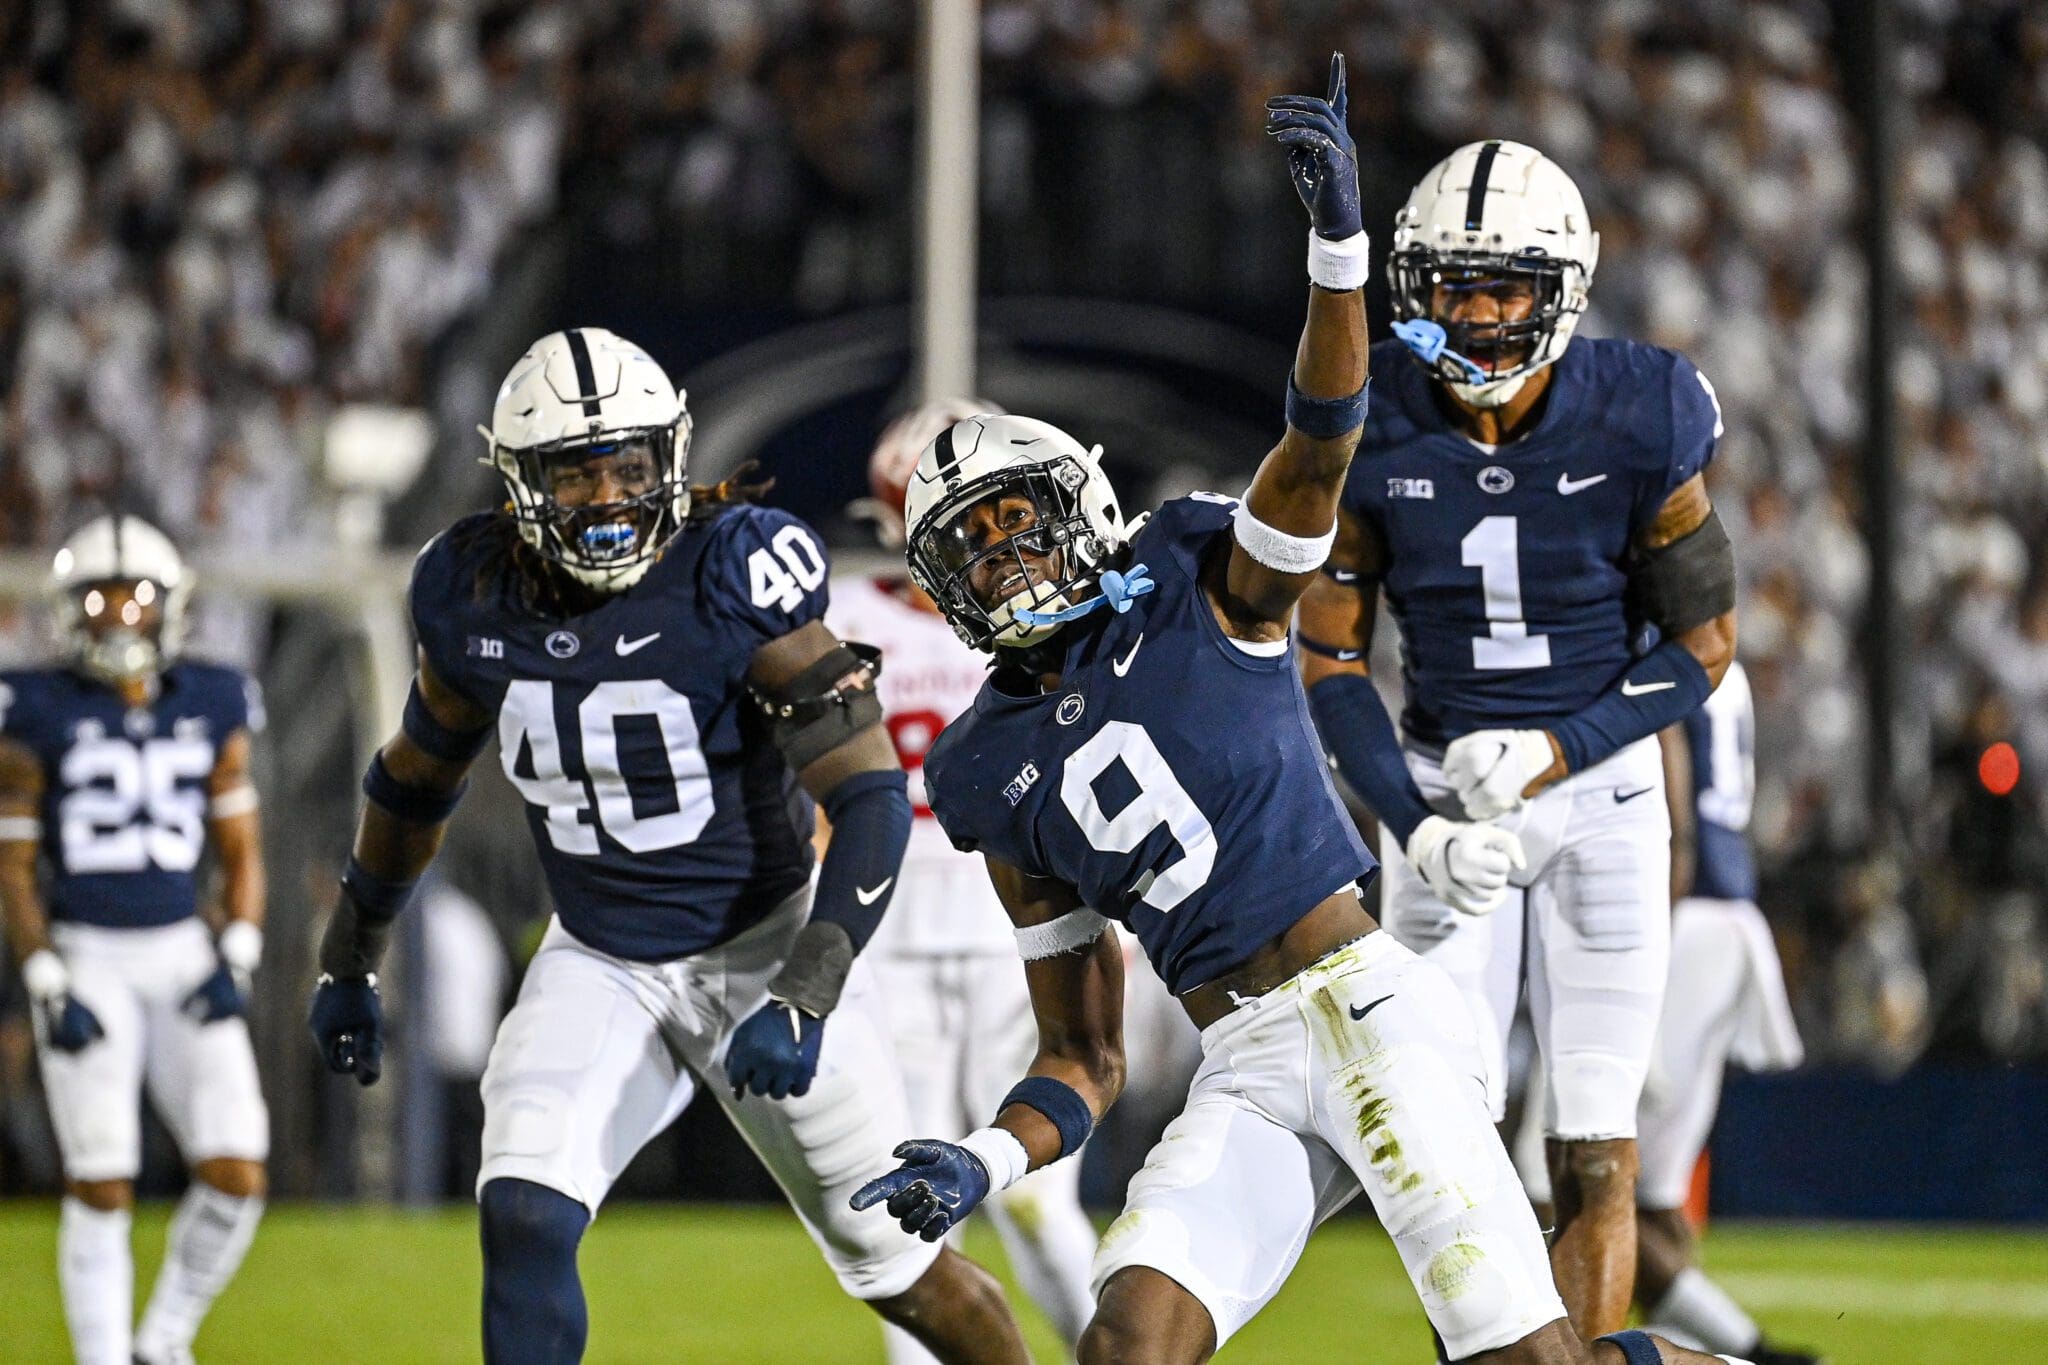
1278,550
24,829
1001,1153
1341,265
1075,929
1061,1105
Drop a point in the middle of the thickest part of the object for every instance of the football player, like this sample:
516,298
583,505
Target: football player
654,662
951,987
1535,513
1144,752
1725,998
119,768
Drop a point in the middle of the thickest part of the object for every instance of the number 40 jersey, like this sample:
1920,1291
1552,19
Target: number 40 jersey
1506,567
666,819
124,788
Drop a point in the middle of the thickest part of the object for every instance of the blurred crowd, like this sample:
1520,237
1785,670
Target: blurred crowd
218,219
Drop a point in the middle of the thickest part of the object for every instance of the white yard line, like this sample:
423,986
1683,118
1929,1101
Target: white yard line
2011,1299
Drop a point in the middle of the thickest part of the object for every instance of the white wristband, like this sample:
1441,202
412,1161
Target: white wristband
241,945
21,829
1278,550
45,975
1340,265
1002,1152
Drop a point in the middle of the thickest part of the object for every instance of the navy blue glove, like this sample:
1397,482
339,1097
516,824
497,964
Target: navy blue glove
347,1020
216,998
774,1052
69,1025
935,1188
1321,155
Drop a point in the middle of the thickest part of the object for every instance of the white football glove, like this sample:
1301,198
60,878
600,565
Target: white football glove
1489,768
1467,865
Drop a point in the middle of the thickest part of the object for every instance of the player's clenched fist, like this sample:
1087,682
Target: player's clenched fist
936,1187
774,1052
1491,769
347,1020
1467,865
1320,154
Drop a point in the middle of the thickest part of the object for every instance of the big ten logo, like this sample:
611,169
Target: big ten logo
913,733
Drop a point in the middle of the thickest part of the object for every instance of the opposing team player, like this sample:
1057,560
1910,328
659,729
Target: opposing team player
951,986
1535,512
118,769
1144,752
654,663
1725,999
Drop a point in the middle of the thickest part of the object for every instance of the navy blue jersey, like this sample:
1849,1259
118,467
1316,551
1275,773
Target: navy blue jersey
1173,779
124,788
1505,568
665,817
1721,736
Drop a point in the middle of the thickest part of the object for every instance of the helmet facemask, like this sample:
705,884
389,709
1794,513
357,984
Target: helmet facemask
607,546
1054,550
118,630
1486,363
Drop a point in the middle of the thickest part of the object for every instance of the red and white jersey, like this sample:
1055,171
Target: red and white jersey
945,903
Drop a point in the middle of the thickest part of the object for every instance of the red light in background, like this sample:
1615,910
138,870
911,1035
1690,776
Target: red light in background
1998,768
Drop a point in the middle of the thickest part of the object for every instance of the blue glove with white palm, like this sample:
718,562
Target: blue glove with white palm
932,1192
1321,155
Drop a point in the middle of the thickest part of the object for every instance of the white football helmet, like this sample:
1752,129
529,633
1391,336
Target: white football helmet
1077,524
895,460
1491,211
128,551
572,396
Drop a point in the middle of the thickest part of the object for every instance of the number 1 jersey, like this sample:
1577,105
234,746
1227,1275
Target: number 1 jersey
1506,568
124,788
666,819
1173,779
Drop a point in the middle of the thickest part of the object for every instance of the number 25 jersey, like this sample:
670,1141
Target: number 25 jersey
665,817
1174,778
124,788
1506,568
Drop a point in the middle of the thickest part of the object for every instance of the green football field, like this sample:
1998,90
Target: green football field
330,1284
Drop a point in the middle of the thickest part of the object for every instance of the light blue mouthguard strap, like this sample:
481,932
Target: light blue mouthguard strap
1427,339
1119,590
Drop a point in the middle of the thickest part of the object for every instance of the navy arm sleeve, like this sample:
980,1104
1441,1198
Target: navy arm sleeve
1359,735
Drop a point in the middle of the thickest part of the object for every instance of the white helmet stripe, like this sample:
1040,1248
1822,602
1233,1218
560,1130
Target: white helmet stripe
586,373
1475,198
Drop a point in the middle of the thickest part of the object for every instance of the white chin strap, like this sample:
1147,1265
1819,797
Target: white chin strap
1494,393
604,578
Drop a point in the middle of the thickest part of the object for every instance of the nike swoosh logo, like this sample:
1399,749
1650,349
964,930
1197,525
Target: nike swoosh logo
867,896
1123,665
626,646
1568,485
1629,689
1360,1011
1621,796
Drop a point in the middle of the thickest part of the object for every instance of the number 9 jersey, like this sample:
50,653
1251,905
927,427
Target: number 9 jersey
1507,569
124,794
1174,779
666,819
